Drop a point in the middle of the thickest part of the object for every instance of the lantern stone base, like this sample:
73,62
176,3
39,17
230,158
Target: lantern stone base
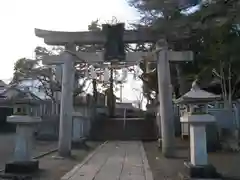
199,172
22,167
80,143
23,162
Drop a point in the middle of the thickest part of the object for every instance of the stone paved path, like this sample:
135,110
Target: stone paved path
116,160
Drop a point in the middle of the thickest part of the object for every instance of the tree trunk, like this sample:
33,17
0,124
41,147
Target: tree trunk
183,84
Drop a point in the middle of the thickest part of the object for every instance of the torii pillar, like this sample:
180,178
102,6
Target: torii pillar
66,112
164,56
65,126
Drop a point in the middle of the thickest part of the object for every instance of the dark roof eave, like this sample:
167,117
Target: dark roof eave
15,102
195,100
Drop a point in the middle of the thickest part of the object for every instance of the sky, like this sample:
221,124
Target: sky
19,18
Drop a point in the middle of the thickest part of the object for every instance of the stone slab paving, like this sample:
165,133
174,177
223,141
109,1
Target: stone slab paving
115,160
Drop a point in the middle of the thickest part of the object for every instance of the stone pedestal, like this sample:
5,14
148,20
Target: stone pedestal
23,162
77,127
198,167
87,126
79,130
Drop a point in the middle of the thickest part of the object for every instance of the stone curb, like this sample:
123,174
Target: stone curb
75,169
147,169
40,155
45,154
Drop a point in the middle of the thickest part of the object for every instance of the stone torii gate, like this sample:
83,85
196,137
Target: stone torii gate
162,56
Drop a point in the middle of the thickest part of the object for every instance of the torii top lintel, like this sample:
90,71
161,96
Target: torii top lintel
90,37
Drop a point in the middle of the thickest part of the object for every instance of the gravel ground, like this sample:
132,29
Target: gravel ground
162,168
52,168
168,169
7,143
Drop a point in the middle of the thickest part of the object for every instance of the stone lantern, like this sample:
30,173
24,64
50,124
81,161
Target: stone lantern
197,117
23,117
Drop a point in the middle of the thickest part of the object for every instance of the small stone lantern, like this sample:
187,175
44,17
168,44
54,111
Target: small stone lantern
25,123
196,116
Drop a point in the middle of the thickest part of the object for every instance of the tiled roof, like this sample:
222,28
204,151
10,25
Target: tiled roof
196,95
2,84
16,95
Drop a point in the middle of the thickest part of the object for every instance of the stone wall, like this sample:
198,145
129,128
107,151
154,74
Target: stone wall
48,129
116,130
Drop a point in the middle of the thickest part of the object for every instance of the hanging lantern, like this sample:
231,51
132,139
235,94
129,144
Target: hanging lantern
93,73
106,75
115,74
86,73
58,73
137,71
146,63
124,74
135,75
